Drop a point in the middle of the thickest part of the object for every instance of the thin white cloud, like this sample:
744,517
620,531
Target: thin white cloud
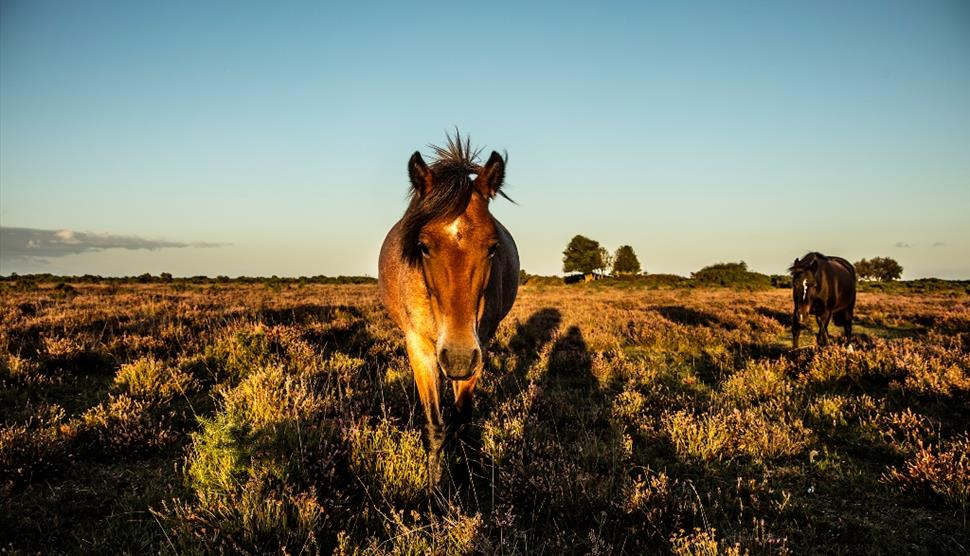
38,245
903,245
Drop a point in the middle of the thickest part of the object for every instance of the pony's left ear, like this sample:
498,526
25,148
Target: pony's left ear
492,176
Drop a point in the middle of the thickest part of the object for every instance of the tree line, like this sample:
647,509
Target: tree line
587,257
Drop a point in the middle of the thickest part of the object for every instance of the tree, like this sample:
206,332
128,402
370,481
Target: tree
879,268
583,255
625,261
863,269
606,258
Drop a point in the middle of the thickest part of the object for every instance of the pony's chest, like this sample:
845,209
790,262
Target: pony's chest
417,306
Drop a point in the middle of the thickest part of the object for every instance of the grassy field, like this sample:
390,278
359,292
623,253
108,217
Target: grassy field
246,419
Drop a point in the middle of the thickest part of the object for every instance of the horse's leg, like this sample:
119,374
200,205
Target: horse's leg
464,402
796,328
424,363
847,325
823,328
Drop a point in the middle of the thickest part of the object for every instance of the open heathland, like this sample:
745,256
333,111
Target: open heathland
244,418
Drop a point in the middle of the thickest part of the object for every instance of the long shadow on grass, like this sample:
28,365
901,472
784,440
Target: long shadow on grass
532,336
692,317
561,476
524,350
781,317
526,345
308,312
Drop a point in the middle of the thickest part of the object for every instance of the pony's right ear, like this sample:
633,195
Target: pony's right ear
420,174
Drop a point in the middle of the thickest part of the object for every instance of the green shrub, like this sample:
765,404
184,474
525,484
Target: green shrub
733,275
391,460
235,356
781,280
149,378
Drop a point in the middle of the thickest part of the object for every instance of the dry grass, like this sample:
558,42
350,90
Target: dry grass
243,419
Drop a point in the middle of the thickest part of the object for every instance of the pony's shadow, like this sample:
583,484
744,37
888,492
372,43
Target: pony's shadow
567,405
524,349
570,361
691,317
531,336
780,317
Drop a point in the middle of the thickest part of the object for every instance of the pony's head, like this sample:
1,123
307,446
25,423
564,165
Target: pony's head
449,232
804,274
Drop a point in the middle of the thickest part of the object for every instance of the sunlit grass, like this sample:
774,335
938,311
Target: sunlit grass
245,419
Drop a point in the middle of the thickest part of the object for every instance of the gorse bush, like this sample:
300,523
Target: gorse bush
257,465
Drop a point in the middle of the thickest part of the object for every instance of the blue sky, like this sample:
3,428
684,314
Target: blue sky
271,138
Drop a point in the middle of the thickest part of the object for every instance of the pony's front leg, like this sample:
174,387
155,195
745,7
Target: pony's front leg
822,338
464,402
424,363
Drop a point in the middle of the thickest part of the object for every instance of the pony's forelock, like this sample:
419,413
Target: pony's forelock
452,191
805,263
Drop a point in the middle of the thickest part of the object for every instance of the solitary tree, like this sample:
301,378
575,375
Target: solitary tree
625,261
879,268
888,269
583,255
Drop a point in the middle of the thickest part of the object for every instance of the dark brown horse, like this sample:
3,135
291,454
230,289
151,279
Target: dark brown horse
449,273
824,287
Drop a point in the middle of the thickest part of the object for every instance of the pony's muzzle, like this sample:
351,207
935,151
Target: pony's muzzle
459,363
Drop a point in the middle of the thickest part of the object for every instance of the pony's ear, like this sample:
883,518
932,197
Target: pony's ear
420,174
814,265
492,176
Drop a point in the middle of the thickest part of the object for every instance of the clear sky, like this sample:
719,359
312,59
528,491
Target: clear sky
269,138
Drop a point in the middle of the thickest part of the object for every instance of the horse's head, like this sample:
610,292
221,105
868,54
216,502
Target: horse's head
804,284
453,237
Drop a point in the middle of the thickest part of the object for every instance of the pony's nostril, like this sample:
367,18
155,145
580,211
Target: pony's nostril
475,356
443,359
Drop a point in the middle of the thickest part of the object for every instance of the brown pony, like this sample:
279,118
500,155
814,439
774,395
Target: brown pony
824,287
449,273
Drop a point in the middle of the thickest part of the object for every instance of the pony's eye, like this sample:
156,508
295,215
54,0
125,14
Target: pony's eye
424,249
492,249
